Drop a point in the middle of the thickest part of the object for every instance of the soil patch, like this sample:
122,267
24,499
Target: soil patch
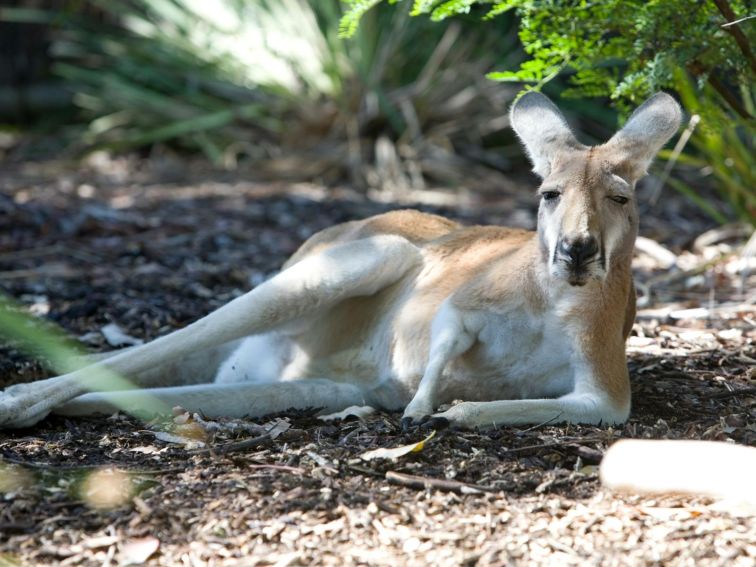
84,252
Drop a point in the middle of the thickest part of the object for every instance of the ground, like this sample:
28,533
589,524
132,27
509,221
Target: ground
149,251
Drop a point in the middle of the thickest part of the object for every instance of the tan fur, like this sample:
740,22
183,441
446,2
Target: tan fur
415,226
410,310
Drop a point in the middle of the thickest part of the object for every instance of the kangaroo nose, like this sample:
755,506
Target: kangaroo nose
578,251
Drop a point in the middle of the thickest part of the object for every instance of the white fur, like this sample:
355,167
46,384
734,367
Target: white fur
542,129
407,346
257,359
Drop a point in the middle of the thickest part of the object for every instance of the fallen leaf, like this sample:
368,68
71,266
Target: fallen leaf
191,430
117,337
667,514
396,452
99,542
277,427
730,334
182,419
146,450
137,551
360,412
640,342
178,439
588,469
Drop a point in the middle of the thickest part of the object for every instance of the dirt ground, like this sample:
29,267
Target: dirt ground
151,251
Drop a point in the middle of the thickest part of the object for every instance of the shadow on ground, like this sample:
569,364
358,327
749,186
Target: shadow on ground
154,257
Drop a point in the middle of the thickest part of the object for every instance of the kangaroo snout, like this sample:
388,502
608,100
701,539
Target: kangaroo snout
578,254
578,251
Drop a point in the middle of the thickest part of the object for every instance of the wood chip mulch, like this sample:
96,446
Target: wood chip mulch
85,249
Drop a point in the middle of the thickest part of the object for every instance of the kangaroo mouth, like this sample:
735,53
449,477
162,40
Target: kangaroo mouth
577,280
579,274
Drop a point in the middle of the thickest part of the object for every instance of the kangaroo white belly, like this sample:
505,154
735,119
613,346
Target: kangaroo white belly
258,358
518,356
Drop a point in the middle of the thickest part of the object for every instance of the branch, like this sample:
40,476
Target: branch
733,27
697,69
421,482
731,99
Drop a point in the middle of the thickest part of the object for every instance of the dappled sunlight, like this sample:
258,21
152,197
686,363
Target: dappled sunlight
160,159
38,338
14,478
107,488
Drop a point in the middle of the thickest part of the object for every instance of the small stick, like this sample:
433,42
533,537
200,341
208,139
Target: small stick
563,443
234,447
733,393
282,468
414,481
84,467
556,417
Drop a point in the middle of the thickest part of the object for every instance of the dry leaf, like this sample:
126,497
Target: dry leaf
99,542
178,439
192,431
667,514
277,427
146,450
360,412
137,551
116,337
396,452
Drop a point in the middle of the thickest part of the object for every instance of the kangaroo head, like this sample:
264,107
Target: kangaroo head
588,217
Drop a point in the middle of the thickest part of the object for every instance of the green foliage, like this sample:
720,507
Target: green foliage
628,49
236,78
351,19
41,339
723,156
624,48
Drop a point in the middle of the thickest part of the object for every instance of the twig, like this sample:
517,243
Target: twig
364,470
733,393
47,270
283,468
733,27
414,481
736,22
553,444
251,443
555,418
30,253
725,93
74,468
698,69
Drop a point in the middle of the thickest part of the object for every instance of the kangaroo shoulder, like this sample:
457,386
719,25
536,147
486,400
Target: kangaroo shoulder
417,227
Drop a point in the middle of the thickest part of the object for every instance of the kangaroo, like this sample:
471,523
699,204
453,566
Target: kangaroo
407,310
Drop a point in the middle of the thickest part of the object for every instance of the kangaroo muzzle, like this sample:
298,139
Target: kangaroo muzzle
577,254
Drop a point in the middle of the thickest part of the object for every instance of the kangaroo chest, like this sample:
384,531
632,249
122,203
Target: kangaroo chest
517,355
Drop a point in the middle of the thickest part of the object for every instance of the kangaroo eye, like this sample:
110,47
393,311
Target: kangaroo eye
550,195
619,199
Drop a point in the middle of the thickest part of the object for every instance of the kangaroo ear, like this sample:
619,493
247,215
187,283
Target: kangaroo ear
647,130
542,128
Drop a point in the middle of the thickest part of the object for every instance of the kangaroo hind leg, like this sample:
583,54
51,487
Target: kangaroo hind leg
317,282
235,400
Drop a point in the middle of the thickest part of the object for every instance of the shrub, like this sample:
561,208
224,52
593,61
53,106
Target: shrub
628,49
